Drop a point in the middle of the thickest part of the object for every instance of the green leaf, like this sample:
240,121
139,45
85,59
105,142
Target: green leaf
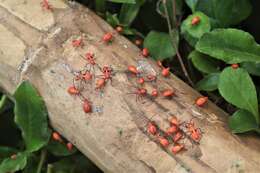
242,121
192,4
31,117
203,62
112,19
6,152
59,149
129,12
169,7
100,6
192,33
230,45
237,87
159,45
252,68
13,165
225,12
123,1
209,82
5,104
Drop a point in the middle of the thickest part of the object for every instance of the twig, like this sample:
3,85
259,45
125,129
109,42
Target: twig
174,45
42,160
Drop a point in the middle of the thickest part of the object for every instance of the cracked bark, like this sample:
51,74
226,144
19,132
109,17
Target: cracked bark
47,62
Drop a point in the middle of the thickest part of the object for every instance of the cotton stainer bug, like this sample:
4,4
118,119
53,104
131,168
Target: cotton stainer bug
87,106
168,93
201,101
91,63
140,93
132,69
177,148
151,128
77,42
195,133
46,5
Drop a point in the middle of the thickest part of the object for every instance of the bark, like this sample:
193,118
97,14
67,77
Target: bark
35,45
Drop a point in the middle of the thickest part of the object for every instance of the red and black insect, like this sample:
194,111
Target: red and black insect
78,42
140,93
195,133
46,5
107,73
195,20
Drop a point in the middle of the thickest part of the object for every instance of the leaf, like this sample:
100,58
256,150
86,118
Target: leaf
5,104
13,165
112,19
225,12
237,87
6,152
230,45
129,12
192,4
159,45
242,121
169,7
59,149
192,33
31,117
203,62
32,164
209,82
252,68
123,1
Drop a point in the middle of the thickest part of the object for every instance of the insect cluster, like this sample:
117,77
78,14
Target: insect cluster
142,73
173,136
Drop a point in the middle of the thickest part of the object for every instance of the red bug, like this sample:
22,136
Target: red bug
152,129
201,101
46,5
100,83
138,42
119,29
90,58
172,129
87,106
174,121
77,43
108,37
154,92
73,90
140,93
195,133
86,76
151,77
145,52
13,156
234,66
168,93
140,80
56,136
163,141
132,69
166,72
107,72
69,146
177,136
195,20
177,148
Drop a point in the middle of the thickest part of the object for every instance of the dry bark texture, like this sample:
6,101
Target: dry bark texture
36,45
